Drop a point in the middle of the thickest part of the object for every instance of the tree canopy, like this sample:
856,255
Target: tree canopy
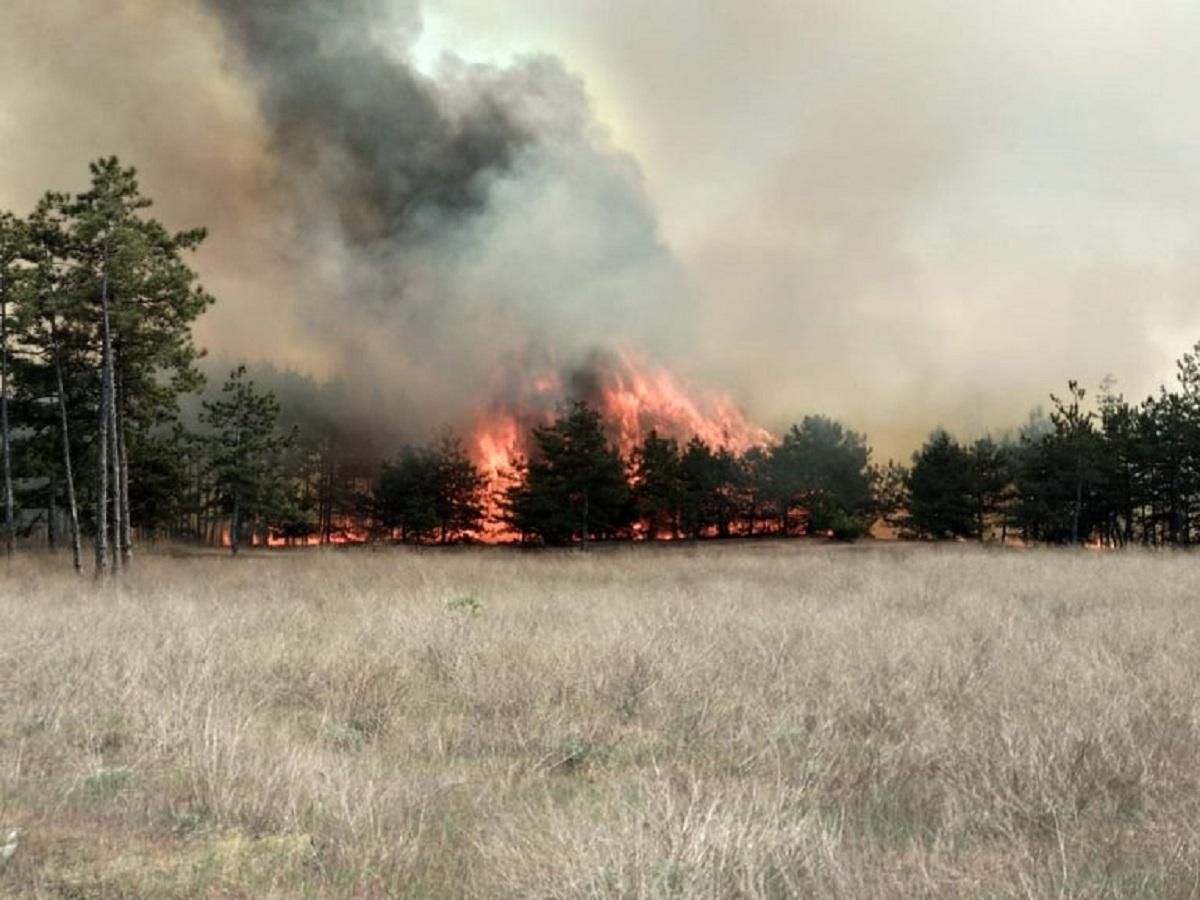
98,304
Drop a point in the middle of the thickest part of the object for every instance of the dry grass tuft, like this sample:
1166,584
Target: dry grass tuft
735,721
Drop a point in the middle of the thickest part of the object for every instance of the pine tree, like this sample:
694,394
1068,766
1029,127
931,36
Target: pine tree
940,487
574,486
891,501
458,491
989,480
246,454
430,493
404,503
146,300
1076,440
822,468
754,478
657,485
54,324
1121,461
12,248
700,479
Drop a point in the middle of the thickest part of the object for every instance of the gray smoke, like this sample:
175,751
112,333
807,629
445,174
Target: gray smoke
451,228
901,213
396,156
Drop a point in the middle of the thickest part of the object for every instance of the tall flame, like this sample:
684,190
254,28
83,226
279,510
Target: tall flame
632,398
636,400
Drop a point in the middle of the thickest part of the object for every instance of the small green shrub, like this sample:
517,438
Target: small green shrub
573,755
345,737
107,782
468,604
849,528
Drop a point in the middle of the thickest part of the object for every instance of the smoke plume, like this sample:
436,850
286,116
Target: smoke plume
394,156
902,214
456,227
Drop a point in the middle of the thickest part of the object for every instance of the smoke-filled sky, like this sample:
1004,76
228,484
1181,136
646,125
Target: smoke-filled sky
903,214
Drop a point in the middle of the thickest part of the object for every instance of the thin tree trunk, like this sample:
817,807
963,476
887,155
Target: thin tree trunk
237,499
114,467
102,449
199,509
10,531
64,432
52,511
123,468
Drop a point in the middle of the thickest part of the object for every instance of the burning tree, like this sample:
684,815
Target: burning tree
658,486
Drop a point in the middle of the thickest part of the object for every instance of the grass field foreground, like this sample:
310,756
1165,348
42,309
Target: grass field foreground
758,721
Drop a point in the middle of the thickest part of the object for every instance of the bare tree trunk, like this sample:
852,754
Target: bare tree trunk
114,466
199,509
123,468
102,442
65,433
52,511
10,531
237,500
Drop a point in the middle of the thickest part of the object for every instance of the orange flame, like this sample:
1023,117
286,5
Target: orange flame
636,400
632,400
496,448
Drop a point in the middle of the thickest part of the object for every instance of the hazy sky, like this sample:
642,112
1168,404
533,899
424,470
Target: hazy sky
903,214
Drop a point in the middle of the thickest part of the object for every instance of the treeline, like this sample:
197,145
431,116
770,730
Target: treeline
1113,473
575,487
1099,470
96,350
97,306
1116,474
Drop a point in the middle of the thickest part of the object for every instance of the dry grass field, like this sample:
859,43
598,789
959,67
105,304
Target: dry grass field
738,721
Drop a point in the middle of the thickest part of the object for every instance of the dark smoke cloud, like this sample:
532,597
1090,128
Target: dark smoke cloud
414,236
901,213
396,155
452,227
